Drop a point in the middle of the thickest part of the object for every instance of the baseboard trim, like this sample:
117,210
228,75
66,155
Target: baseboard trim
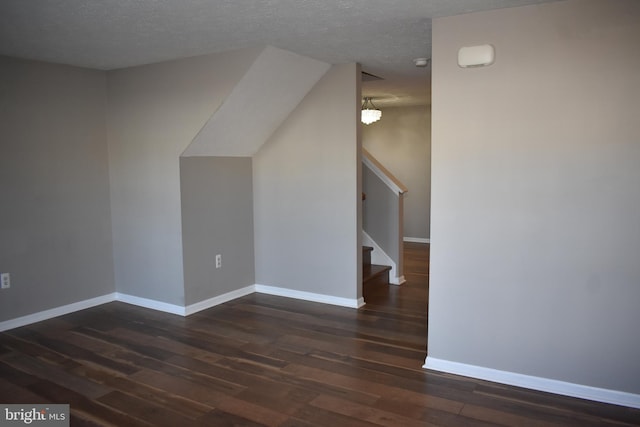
220,299
535,383
309,296
174,308
397,280
55,312
416,240
151,303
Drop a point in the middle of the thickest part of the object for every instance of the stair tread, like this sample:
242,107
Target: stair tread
374,270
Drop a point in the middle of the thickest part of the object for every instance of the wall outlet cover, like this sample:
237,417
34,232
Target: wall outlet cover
5,280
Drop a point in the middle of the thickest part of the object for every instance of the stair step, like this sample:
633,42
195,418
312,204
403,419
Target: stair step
374,274
366,255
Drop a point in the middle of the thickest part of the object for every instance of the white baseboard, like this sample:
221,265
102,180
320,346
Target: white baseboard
397,280
310,296
151,303
188,310
174,308
535,383
416,240
55,312
220,299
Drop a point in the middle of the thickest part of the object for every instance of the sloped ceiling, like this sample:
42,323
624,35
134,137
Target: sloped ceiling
273,86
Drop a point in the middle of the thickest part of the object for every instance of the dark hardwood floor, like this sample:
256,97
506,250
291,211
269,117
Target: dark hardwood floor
265,360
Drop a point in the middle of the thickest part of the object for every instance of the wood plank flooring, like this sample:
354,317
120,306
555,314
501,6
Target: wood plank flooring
268,361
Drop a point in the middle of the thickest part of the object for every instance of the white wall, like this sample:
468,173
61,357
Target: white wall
307,192
401,141
55,226
154,112
536,194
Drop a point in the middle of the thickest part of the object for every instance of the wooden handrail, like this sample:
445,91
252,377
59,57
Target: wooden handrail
383,173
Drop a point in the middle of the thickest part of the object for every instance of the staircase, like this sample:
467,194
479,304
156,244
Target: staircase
372,274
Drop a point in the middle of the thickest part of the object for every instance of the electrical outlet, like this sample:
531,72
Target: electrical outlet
5,280
218,261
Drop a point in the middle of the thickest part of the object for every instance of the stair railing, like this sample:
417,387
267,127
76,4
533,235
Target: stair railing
383,215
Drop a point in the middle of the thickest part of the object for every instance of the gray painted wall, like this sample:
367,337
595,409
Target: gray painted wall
535,195
307,193
381,215
217,218
55,228
106,211
401,141
154,112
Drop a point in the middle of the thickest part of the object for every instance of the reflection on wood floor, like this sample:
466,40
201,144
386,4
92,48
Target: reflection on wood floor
412,296
263,360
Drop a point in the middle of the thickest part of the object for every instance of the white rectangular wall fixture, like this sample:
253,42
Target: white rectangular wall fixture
476,56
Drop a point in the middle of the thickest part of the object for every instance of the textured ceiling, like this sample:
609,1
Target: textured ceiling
383,35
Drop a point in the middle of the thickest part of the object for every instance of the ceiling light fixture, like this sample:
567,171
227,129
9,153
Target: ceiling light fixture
370,112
